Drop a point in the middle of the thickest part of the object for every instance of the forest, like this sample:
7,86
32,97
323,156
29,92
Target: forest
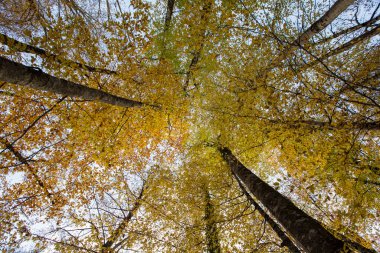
190,126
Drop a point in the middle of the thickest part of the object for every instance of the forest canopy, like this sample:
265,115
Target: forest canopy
189,126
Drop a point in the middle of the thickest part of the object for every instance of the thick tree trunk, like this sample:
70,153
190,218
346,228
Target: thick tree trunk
276,228
307,232
212,239
19,74
23,47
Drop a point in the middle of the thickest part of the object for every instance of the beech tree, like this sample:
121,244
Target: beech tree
189,126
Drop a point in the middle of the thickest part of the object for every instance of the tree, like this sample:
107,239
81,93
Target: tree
291,88
13,72
285,239
308,233
213,245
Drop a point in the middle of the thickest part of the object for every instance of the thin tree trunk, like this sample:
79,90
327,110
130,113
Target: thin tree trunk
23,47
212,239
349,30
168,19
120,230
276,228
318,124
324,21
19,74
345,46
354,245
205,16
169,14
308,233
315,28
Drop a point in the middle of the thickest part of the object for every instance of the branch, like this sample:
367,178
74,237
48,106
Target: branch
31,170
35,122
197,54
106,247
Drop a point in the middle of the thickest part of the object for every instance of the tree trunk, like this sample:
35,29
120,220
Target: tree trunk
324,21
346,46
169,14
212,239
19,74
168,19
276,228
366,24
316,27
120,229
23,47
295,124
204,20
308,233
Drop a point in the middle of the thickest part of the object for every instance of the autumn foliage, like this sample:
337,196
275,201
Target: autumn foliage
114,113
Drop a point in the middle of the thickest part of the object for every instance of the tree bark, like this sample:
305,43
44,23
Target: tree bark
19,74
345,46
316,27
212,238
308,233
375,125
168,19
169,14
23,47
276,228
349,30
205,16
324,21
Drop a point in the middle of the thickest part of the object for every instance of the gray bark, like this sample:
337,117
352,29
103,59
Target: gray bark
315,28
205,16
346,46
350,30
168,19
323,21
19,74
276,228
212,239
307,232
169,14
23,47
